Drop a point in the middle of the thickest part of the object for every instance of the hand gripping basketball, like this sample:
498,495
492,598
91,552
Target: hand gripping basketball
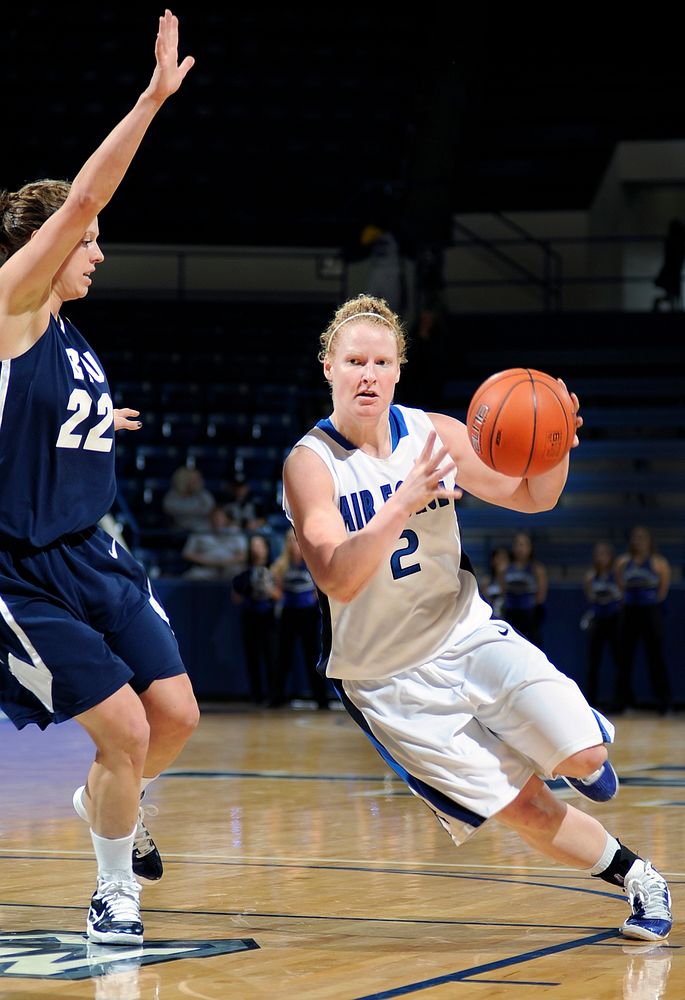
522,422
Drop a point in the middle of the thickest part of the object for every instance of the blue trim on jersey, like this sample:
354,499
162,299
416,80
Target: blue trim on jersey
327,427
432,796
398,427
465,563
606,738
326,633
398,430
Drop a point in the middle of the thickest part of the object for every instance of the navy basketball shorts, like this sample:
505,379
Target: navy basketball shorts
78,620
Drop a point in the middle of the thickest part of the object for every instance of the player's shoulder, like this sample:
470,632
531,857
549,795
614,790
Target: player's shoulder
305,467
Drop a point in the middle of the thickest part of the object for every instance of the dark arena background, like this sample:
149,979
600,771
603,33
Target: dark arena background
515,185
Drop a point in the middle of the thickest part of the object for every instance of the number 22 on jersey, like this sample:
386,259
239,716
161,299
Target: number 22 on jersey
81,404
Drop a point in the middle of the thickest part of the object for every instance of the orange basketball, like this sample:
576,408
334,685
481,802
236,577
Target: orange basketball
521,422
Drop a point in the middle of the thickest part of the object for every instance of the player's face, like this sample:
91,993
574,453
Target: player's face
74,278
363,369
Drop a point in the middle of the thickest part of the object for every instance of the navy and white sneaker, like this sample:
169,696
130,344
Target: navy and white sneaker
650,901
147,863
114,914
600,786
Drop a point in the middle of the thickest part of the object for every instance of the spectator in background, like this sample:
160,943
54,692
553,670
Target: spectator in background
429,332
601,620
219,553
256,591
525,589
644,578
188,504
241,506
386,276
300,622
492,585
669,277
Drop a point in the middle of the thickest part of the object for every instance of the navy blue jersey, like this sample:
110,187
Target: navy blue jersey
299,590
56,440
640,583
520,587
605,595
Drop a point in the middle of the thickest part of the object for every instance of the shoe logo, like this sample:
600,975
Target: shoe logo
113,551
503,631
45,955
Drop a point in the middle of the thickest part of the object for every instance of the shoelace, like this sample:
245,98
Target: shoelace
121,900
142,842
650,891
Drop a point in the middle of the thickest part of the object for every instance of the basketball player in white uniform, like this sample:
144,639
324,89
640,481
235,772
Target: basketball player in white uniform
469,713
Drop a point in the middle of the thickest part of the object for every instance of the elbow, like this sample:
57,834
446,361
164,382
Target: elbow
543,504
343,595
549,506
338,590
84,202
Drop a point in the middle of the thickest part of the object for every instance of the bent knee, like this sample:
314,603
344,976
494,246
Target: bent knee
583,763
178,718
189,718
129,736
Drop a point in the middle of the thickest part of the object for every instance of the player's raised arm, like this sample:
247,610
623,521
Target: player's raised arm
25,277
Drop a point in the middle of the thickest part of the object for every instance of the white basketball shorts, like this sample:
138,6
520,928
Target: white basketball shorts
468,730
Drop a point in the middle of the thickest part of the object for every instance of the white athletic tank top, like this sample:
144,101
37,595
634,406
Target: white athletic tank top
424,598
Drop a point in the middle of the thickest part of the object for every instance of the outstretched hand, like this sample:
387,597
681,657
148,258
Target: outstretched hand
425,482
168,75
124,419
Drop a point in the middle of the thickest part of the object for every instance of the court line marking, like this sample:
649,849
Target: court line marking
463,974
638,779
247,915
343,864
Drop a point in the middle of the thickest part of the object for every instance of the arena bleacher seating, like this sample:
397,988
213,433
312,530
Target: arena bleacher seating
239,393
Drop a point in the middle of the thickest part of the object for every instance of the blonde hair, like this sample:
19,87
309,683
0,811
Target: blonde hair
281,565
370,309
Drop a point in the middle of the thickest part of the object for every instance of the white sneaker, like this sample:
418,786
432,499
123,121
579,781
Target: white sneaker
650,901
114,914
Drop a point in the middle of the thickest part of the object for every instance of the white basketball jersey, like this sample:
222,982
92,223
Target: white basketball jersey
424,598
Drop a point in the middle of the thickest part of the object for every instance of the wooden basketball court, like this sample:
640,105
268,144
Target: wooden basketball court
298,866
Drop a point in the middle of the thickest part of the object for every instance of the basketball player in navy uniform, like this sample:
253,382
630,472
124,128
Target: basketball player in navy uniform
469,713
81,633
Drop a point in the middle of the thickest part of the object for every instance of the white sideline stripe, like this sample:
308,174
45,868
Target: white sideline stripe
4,385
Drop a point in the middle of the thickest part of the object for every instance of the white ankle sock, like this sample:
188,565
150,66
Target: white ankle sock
607,855
113,856
144,782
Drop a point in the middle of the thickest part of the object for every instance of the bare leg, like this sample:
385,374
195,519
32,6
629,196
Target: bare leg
120,731
172,714
554,828
583,763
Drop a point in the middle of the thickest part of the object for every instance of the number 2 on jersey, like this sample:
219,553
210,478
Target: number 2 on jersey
81,402
398,570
